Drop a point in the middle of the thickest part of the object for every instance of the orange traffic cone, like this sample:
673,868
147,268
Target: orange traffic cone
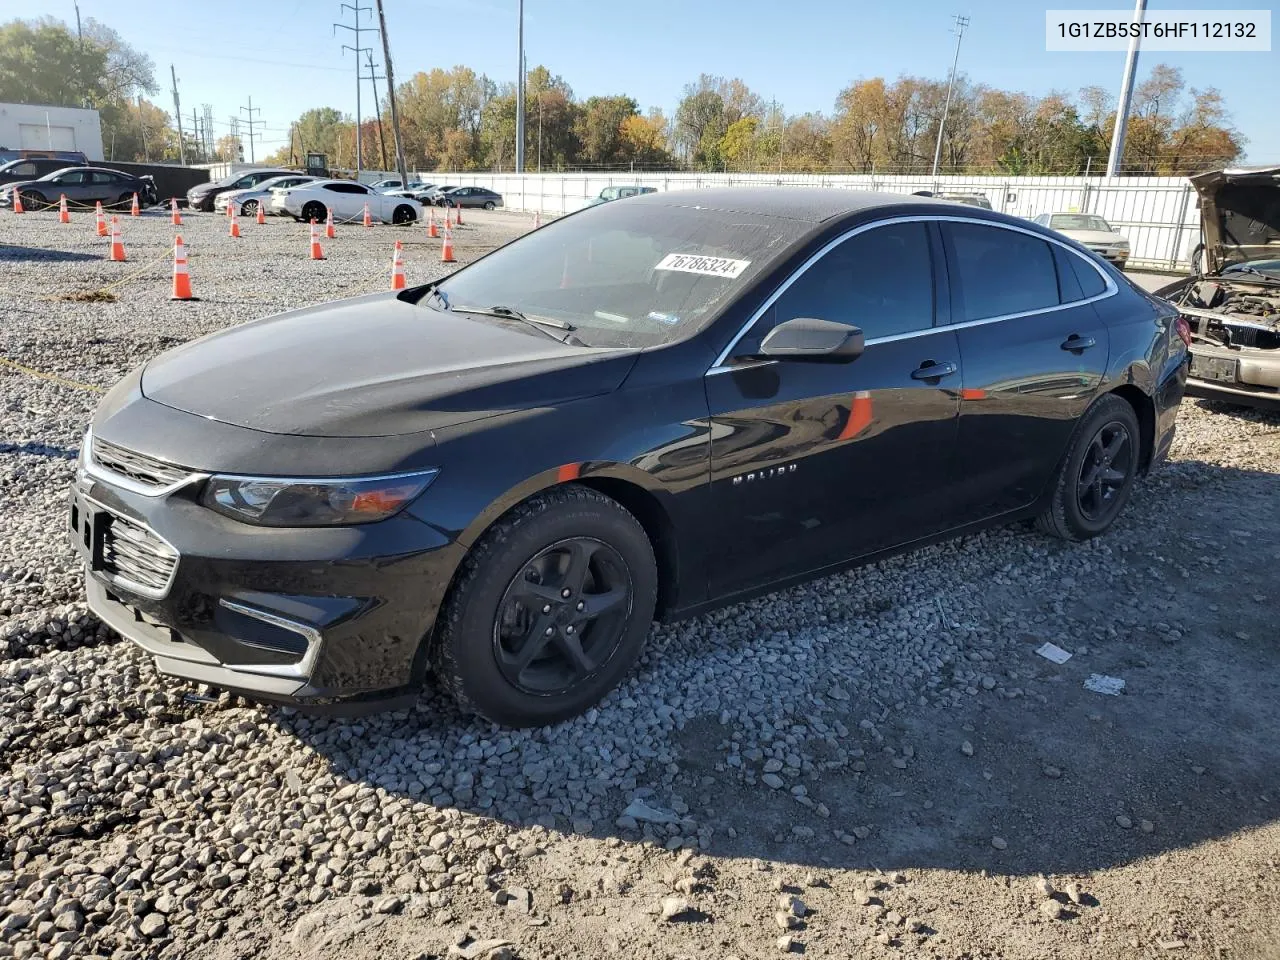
261,218
117,243
234,229
181,276
432,232
457,217
101,219
316,252
64,215
537,219
397,268
175,218
368,220
448,215
446,248
17,202
328,226
135,210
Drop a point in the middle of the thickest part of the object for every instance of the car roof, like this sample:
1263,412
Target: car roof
813,204
81,166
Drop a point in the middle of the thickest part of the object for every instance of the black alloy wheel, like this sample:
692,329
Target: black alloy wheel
314,210
1097,473
1104,470
549,609
403,214
563,616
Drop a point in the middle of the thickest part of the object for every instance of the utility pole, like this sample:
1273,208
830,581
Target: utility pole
520,92
251,110
235,136
539,131
356,10
391,95
373,79
196,135
84,100
1126,96
142,127
961,23
177,112
206,129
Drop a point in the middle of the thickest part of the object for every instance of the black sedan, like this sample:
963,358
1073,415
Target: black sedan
84,186
643,409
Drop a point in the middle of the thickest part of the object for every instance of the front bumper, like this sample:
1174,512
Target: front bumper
1250,377
313,617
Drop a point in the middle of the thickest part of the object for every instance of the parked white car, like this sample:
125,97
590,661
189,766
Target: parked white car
247,200
1092,231
346,198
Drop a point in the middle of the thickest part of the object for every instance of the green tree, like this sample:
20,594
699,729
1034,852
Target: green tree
737,146
41,62
600,130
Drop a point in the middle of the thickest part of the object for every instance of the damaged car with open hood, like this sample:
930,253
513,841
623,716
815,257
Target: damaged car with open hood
1232,299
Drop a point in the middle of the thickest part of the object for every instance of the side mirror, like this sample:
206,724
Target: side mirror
808,338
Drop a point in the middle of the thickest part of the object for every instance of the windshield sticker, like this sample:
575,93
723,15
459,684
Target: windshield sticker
708,266
670,318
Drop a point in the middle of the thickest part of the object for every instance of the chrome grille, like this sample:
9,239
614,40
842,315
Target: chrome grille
136,555
138,467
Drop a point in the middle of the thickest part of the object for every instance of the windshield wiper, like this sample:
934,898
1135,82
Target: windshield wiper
538,323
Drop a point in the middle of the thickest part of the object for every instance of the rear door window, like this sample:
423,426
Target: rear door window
996,272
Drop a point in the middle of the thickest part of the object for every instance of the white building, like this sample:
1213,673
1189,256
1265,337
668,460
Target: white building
29,126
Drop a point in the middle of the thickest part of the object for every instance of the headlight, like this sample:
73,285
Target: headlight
304,502
1121,244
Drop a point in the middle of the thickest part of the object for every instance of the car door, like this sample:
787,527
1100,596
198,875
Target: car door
107,186
1034,352
814,463
76,184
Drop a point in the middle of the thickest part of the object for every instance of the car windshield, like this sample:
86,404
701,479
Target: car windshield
1078,221
626,275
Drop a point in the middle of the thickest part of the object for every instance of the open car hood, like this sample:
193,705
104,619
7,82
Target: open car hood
1239,215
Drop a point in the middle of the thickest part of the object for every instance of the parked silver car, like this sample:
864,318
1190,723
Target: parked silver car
247,200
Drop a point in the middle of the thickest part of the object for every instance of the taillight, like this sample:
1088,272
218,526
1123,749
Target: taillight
1184,330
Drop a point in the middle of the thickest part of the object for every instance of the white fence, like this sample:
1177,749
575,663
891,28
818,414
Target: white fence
1159,215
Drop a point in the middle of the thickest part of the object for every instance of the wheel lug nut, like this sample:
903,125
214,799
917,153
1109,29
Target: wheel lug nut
569,629
550,631
565,593
546,608
581,605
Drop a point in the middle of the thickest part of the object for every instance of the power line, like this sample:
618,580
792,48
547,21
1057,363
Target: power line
251,110
356,10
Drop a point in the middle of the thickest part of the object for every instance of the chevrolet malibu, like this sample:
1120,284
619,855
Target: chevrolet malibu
642,410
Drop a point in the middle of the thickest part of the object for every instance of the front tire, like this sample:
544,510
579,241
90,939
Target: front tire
1097,473
488,204
33,200
549,611
403,214
249,208
314,210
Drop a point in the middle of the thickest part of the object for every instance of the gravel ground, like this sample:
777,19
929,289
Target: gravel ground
876,764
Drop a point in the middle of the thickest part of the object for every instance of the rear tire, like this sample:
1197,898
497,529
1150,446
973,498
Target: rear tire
1097,473
125,202
488,204
486,624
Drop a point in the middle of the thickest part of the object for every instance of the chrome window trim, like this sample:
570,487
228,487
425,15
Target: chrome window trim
1110,291
132,585
301,670
111,478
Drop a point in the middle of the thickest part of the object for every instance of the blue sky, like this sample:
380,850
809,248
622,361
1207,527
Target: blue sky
285,54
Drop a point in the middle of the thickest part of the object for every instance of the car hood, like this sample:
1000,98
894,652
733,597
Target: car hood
1239,215
375,366
1092,236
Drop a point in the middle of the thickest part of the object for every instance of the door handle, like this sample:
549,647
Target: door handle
1075,343
933,371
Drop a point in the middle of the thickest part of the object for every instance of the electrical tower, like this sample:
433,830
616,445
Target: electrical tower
250,123
356,10
206,130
